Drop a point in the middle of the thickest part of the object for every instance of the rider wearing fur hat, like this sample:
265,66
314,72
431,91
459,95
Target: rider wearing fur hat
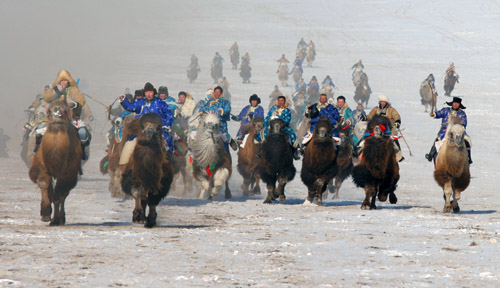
456,110
163,95
247,114
152,104
65,87
385,108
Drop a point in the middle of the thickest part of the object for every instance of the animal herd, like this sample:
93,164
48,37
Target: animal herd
147,171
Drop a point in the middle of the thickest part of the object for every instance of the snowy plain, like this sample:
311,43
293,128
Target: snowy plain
242,242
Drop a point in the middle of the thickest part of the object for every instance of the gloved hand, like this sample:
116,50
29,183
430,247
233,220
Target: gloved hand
221,111
235,118
397,125
432,114
122,97
362,117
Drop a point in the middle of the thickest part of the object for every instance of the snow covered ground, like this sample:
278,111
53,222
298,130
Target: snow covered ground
242,242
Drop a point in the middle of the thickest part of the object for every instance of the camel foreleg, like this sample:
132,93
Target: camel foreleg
44,182
281,188
448,191
270,193
151,219
318,185
205,185
370,192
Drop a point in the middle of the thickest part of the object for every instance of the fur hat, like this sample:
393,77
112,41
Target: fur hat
343,98
163,90
182,93
129,97
383,98
138,93
210,91
64,75
458,100
254,97
149,87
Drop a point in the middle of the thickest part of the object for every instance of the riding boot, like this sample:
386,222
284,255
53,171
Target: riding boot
38,141
85,157
295,151
429,156
468,154
259,149
233,144
301,149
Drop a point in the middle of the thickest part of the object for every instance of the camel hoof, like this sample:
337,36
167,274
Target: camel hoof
382,197
55,222
45,218
268,201
373,207
282,198
456,209
447,209
210,198
256,190
150,223
365,207
393,199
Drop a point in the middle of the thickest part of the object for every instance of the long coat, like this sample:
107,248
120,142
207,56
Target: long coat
212,105
248,113
445,114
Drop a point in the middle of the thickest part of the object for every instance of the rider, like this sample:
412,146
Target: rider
246,57
359,114
345,112
194,63
328,80
152,104
456,110
186,105
273,97
215,103
320,109
302,43
385,108
311,44
234,47
358,64
163,95
281,111
430,79
298,63
217,59
301,86
247,114
451,68
282,59
313,83
66,88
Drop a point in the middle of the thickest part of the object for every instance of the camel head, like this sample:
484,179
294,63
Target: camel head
455,135
323,129
151,125
258,124
58,112
276,126
211,123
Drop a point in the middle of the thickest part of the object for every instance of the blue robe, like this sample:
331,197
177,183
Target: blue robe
212,105
285,115
299,63
143,106
325,110
248,113
445,114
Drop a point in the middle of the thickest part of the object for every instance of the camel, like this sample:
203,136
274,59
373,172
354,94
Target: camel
247,160
276,161
211,162
319,164
449,82
428,98
59,159
148,173
344,159
283,74
452,166
378,171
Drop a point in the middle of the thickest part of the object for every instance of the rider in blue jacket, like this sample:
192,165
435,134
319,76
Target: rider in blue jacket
216,103
456,110
254,110
152,104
